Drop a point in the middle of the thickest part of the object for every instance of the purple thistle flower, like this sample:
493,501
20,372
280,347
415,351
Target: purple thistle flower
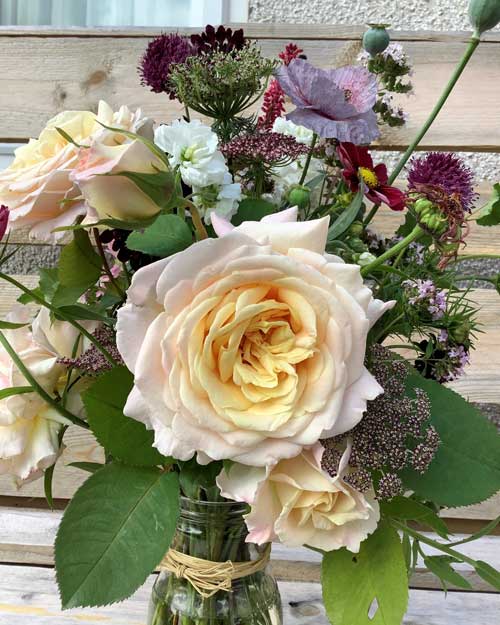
161,55
447,172
334,103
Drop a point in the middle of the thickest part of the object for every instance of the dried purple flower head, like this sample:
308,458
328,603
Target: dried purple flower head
162,53
220,40
446,172
92,362
335,103
426,296
394,433
4,220
271,148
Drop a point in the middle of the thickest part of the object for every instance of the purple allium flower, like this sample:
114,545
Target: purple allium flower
268,147
220,40
447,172
4,220
161,55
335,103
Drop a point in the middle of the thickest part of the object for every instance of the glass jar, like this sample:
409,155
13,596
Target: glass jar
215,532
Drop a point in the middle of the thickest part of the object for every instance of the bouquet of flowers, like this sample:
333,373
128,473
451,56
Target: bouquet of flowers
256,363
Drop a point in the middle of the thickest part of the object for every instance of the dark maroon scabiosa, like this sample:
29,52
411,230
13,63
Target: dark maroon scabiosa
161,55
395,433
220,40
445,172
4,220
359,168
271,148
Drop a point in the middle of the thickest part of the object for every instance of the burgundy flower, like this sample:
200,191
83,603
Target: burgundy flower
291,51
358,167
4,220
335,103
445,172
220,40
161,55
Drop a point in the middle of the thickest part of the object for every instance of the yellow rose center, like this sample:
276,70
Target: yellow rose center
255,342
369,177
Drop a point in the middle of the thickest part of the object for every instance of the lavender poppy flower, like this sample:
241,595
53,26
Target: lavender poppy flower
334,103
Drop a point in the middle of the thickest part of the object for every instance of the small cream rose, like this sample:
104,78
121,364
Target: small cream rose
298,503
250,346
29,426
37,187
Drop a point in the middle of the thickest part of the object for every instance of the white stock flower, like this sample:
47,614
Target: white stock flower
192,147
286,127
223,199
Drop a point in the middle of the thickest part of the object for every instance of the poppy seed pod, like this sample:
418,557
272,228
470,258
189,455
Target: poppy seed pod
299,196
484,15
376,39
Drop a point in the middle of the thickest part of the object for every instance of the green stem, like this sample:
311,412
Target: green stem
462,257
474,42
68,416
416,233
433,543
308,159
57,311
371,214
384,332
105,264
198,224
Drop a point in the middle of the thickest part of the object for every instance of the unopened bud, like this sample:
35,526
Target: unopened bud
376,39
299,196
365,259
484,15
356,228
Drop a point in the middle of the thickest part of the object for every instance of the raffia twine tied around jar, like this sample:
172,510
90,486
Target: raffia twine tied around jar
208,577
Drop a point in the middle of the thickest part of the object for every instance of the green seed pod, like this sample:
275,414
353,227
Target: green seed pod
355,229
365,259
376,39
299,196
484,15
423,205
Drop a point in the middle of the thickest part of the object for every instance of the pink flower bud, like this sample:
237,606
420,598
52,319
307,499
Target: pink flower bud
4,220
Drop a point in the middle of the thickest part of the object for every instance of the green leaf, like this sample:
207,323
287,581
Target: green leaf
441,567
147,142
407,509
352,582
48,282
15,390
484,531
89,467
195,477
488,573
79,268
159,186
47,485
252,209
346,218
69,138
81,311
7,325
114,532
124,438
466,468
489,215
168,235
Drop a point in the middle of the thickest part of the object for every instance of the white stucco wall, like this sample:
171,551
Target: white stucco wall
401,14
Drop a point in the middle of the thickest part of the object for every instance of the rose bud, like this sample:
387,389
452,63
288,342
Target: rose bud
4,220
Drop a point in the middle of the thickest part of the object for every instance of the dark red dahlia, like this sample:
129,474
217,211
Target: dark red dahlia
446,173
358,167
161,55
220,40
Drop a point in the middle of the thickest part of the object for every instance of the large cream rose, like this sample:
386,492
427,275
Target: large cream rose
37,187
298,503
29,426
250,346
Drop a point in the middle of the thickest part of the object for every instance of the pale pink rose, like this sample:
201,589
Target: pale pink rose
298,503
250,346
107,192
37,186
29,426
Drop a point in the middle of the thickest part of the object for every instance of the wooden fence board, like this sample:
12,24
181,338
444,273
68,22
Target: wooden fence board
30,593
102,64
